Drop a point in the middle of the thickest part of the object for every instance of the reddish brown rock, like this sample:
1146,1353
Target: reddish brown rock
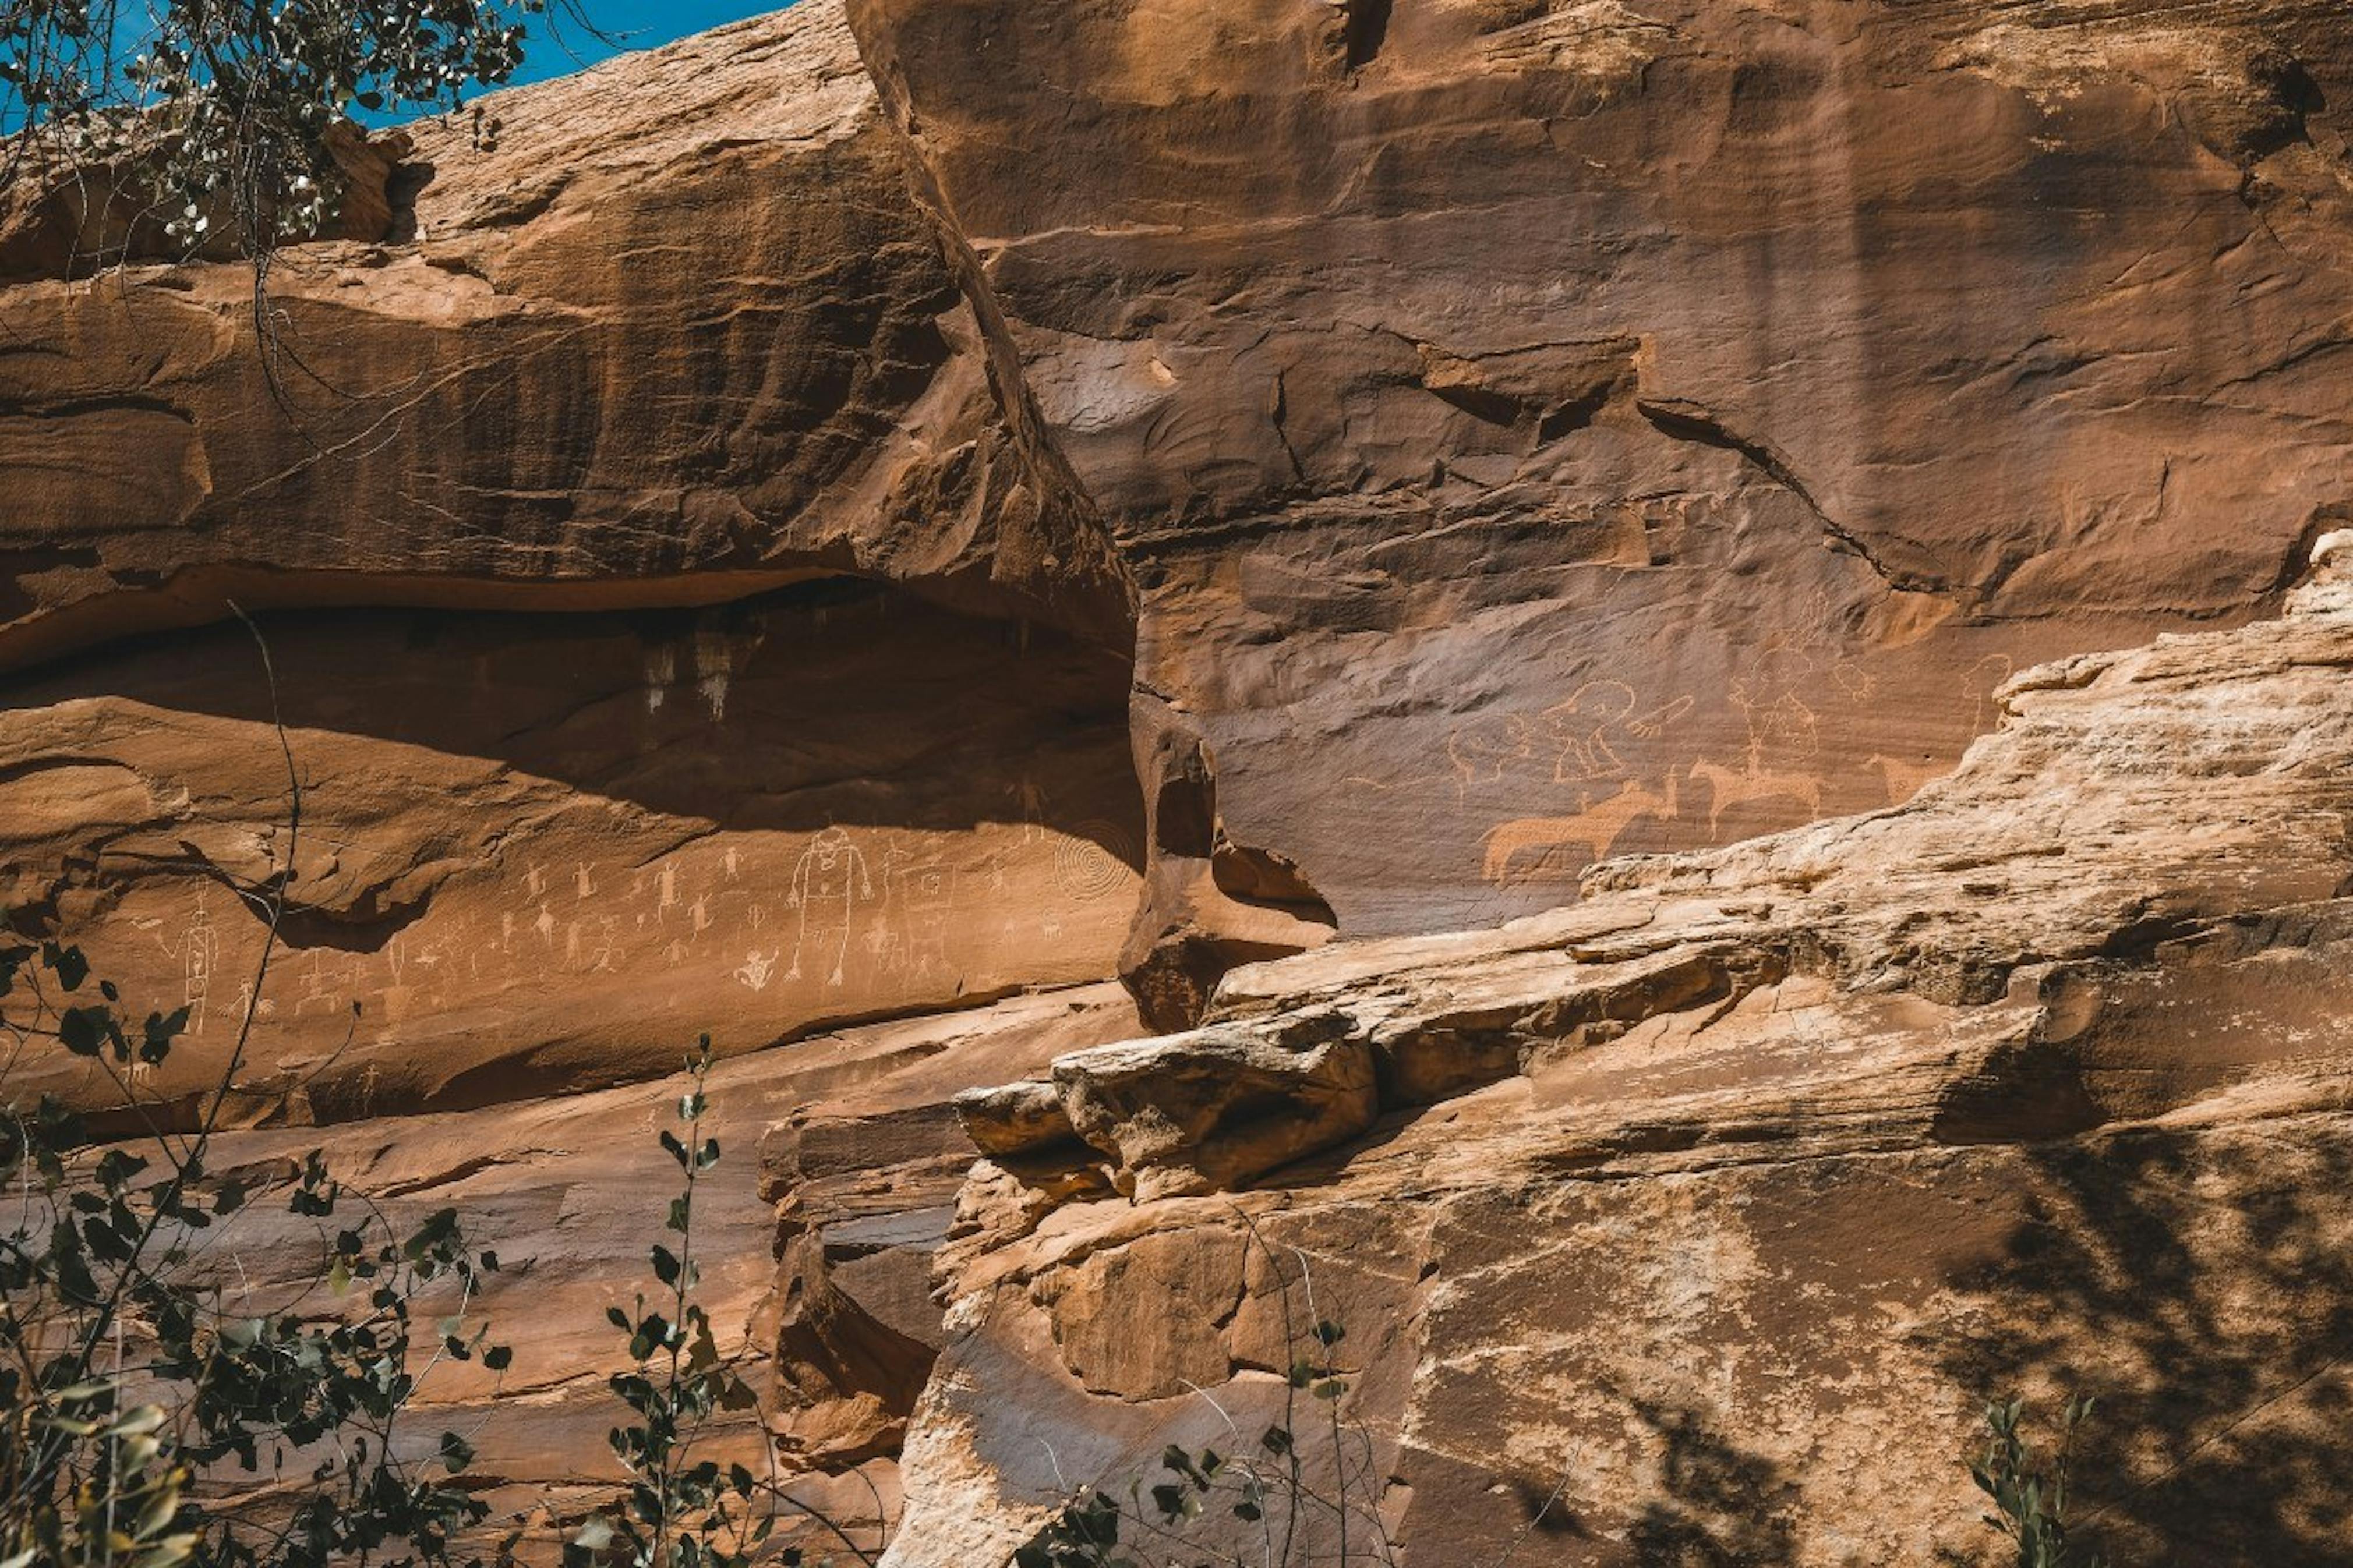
1548,431
678,339
1351,471
538,853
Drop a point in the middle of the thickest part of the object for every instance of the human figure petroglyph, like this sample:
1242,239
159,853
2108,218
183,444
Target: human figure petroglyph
1596,721
1728,788
1583,725
583,886
927,907
885,940
714,666
607,947
1596,829
718,655
1777,721
661,668
199,951
1032,797
756,967
828,882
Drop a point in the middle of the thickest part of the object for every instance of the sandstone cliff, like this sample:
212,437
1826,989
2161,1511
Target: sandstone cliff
858,531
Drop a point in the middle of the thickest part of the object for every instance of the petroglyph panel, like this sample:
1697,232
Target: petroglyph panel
542,852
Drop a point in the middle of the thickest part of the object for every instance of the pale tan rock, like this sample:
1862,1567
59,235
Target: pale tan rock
1013,1119
1208,1109
1805,1148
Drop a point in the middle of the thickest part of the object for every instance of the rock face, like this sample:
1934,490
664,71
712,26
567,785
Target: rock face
1546,430
1750,1171
1101,593
531,849
679,339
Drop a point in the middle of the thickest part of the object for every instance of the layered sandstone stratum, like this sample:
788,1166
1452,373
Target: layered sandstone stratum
1249,643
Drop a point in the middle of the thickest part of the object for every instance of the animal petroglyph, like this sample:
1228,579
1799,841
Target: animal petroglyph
1978,683
1484,751
1594,829
1728,789
1903,779
1587,738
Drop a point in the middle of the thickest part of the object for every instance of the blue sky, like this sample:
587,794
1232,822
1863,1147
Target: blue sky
636,23
631,23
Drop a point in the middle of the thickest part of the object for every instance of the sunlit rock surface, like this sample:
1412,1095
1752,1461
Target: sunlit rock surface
1085,589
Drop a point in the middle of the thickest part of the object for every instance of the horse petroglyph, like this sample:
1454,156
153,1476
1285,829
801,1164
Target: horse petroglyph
1594,830
1727,789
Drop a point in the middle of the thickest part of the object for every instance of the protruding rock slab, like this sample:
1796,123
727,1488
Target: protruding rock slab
681,337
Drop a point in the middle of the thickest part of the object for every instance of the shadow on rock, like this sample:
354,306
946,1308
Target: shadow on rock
2201,1286
1721,1506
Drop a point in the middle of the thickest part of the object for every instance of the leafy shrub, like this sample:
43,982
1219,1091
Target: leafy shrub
681,1510
127,1379
231,108
2029,1490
